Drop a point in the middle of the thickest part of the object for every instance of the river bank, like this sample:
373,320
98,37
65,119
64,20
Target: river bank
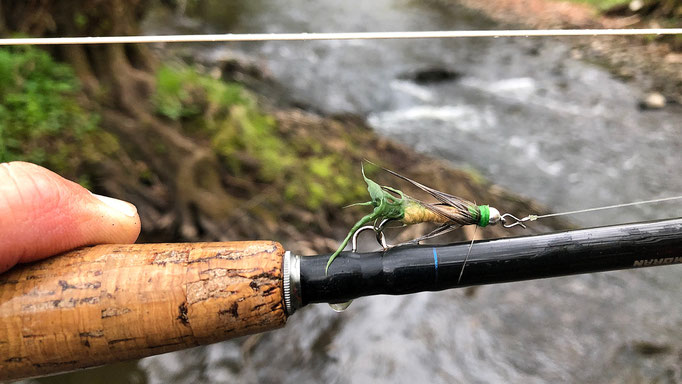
653,63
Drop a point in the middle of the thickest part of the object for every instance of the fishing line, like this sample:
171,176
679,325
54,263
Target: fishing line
461,272
241,37
538,217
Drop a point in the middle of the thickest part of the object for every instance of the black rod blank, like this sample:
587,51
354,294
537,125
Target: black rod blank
410,269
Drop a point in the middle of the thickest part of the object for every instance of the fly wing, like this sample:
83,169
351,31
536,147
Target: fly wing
461,215
443,197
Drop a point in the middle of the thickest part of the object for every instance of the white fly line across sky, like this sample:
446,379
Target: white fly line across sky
241,37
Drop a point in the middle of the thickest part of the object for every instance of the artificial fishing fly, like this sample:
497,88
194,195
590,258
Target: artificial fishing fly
391,204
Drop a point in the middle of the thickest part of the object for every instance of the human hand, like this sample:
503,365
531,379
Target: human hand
43,214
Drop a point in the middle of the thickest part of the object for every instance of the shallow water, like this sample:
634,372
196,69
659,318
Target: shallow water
530,118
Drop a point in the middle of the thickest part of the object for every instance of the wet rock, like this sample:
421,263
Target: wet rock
238,69
228,65
635,5
653,100
431,75
647,348
577,54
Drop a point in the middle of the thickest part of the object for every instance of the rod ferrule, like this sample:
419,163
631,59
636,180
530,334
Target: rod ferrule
291,271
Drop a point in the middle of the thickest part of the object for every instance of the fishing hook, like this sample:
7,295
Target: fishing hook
381,239
378,230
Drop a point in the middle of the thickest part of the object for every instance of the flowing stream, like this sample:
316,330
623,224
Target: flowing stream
526,114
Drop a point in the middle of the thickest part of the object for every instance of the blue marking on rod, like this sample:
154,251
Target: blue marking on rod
435,261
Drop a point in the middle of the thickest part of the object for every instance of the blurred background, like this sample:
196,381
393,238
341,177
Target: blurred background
264,141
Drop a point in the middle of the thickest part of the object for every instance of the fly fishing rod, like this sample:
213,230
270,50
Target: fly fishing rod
108,303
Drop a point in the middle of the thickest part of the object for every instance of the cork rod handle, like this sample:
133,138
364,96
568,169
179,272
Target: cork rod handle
108,303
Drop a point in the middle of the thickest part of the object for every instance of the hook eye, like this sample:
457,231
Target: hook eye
517,221
381,238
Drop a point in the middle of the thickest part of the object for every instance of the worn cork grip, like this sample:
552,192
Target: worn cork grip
109,303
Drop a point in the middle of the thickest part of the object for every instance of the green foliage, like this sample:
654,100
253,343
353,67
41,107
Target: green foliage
41,120
249,142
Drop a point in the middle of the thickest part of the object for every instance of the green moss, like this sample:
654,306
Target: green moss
80,20
602,5
475,176
41,120
249,134
183,93
250,143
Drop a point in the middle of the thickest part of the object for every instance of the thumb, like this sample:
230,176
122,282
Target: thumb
43,214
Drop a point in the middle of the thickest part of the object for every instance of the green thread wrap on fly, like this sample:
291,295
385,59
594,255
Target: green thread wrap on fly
484,215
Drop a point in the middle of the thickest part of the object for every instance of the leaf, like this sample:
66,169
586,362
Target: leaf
359,204
374,189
